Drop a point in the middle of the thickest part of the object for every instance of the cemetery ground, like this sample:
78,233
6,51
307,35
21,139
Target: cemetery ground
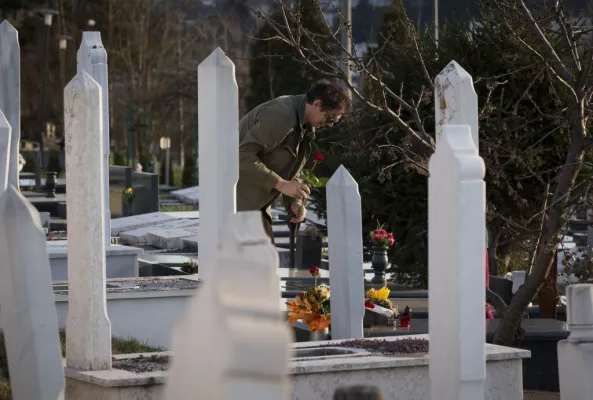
201,292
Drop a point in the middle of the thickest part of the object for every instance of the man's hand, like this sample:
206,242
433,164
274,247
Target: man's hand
293,189
299,212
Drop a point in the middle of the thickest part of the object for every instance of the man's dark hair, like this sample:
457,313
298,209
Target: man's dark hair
332,95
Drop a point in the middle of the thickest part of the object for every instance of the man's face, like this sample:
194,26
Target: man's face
321,117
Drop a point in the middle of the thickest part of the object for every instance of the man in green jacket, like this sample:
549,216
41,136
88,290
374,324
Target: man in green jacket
275,143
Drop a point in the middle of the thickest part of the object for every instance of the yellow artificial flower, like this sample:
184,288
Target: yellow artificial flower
322,292
128,191
371,293
383,294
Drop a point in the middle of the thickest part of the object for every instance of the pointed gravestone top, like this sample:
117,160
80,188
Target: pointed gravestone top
6,27
217,59
456,101
84,81
91,51
342,178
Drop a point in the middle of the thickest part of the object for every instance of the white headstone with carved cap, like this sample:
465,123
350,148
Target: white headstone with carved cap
456,275
231,343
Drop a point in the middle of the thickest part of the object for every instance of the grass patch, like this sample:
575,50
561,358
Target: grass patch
176,208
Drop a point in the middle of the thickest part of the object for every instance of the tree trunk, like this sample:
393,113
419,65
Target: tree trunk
508,330
548,293
498,251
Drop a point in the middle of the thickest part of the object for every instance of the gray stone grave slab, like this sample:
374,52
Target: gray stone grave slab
140,236
189,195
170,260
125,224
169,239
122,261
190,244
184,214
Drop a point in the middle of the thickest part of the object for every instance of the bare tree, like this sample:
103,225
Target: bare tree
563,45
564,57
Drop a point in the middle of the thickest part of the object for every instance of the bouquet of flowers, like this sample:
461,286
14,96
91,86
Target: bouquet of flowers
381,238
128,195
378,301
312,305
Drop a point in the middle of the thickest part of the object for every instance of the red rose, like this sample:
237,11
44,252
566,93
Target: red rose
390,235
376,231
368,304
318,157
314,271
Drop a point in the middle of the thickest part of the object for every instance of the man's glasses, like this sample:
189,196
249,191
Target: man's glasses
332,119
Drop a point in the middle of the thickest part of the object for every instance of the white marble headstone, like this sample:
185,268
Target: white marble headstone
92,58
456,101
237,310
344,233
456,274
218,116
88,329
10,93
29,314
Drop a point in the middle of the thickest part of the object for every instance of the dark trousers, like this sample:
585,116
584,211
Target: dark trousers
267,221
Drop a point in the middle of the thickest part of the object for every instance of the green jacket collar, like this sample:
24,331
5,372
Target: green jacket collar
302,106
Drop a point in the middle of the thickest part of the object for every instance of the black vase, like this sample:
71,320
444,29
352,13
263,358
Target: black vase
379,263
50,185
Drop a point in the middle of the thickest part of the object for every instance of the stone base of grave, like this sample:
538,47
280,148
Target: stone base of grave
317,378
122,261
111,385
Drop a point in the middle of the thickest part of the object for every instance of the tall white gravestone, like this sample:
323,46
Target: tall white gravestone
88,339
456,276
218,118
344,233
29,314
5,136
10,93
231,343
455,101
92,57
575,354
